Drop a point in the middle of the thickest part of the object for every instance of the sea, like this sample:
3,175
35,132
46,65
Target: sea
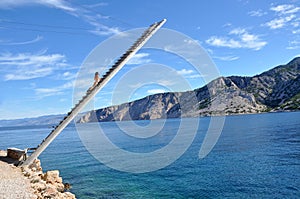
255,156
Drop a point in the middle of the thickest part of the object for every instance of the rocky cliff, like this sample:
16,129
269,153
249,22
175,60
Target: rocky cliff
273,90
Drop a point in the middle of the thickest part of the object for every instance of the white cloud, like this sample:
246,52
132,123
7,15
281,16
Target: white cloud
285,9
83,12
196,76
138,59
96,5
227,25
52,3
257,13
155,91
25,66
28,74
293,45
296,24
280,22
104,30
296,31
210,51
189,74
226,58
191,41
285,15
66,76
242,39
185,72
59,90
93,19
166,83
37,39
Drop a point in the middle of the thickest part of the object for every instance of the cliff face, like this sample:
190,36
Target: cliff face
276,86
276,89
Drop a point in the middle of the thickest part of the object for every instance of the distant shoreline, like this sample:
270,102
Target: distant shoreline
49,125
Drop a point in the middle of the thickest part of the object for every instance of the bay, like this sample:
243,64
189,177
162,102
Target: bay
256,156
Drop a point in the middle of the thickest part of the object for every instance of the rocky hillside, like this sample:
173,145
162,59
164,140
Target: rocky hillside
275,90
47,120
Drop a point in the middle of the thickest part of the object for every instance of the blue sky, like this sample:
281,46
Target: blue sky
43,43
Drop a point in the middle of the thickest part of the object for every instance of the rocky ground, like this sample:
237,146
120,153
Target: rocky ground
30,182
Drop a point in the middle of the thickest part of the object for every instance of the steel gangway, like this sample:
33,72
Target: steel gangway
147,34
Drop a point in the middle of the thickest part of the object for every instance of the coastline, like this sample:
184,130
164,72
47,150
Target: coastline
30,182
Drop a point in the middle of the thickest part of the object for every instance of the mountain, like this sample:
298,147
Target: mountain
275,90
48,120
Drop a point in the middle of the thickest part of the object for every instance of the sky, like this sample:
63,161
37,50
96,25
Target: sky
44,43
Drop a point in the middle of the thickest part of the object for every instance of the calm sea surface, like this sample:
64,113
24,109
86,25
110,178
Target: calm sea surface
256,156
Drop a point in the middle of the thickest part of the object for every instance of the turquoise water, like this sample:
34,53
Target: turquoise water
257,156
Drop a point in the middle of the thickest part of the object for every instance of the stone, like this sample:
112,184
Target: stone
36,165
60,187
50,191
67,186
59,180
35,179
52,177
41,186
69,195
46,185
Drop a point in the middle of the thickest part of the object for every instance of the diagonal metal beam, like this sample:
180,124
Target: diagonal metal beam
91,94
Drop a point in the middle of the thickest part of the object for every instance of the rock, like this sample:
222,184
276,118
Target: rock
46,185
50,191
36,165
26,171
35,179
52,177
60,187
34,184
40,186
67,186
69,195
